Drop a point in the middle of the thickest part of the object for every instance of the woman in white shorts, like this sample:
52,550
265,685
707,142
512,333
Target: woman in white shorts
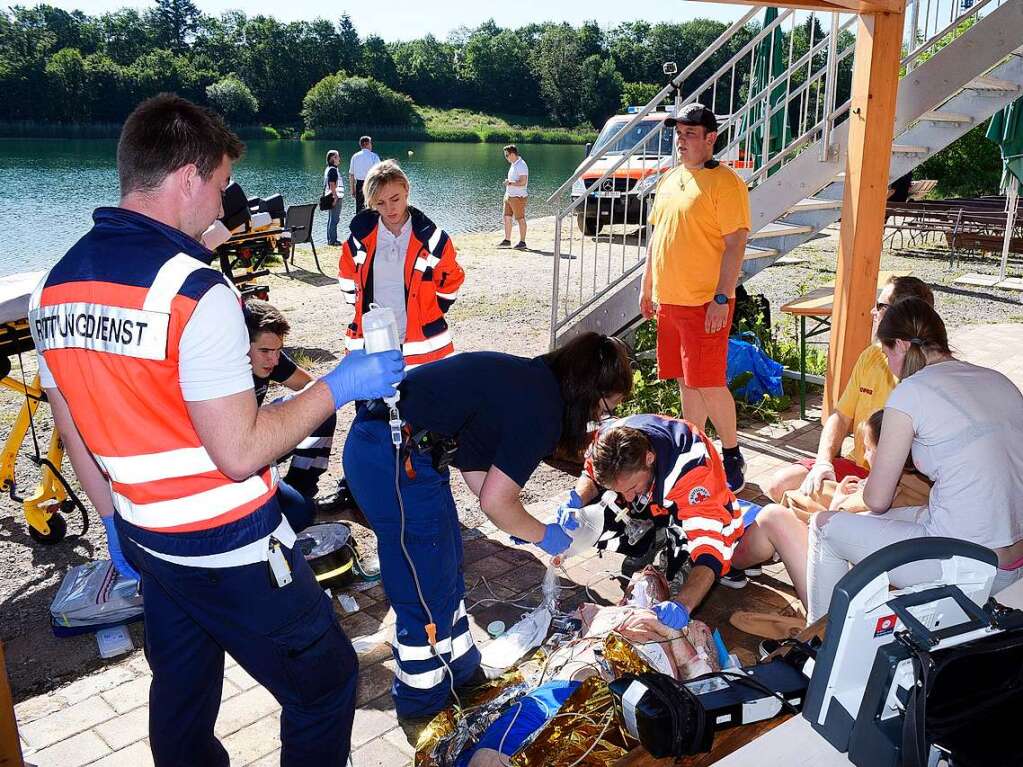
963,425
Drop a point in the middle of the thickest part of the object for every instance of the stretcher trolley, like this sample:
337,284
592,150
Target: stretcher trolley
53,496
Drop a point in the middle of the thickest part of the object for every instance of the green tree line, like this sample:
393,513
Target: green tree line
67,67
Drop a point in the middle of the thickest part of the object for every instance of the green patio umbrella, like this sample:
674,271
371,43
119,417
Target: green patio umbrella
1006,130
768,63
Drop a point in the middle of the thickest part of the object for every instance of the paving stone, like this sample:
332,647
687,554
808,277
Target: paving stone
255,741
396,738
374,681
126,729
229,690
371,723
66,722
244,709
379,753
135,755
475,550
75,751
273,759
79,690
240,678
490,568
128,696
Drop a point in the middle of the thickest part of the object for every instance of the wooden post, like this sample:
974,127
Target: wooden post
10,744
875,87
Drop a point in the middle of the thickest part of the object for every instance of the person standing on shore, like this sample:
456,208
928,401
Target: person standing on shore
144,357
701,219
358,169
515,196
333,186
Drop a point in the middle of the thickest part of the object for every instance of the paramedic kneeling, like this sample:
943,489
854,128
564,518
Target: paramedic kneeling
144,358
668,468
494,417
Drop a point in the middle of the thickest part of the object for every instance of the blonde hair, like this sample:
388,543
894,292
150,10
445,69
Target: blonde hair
333,153
379,176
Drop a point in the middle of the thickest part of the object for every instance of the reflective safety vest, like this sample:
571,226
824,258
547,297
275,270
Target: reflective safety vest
690,487
107,320
432,280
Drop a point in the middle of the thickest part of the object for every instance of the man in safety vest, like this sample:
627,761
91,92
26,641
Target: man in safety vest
144,359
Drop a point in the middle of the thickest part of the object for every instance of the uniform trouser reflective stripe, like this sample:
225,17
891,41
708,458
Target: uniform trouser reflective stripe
456,646
310,459
189,626
433,539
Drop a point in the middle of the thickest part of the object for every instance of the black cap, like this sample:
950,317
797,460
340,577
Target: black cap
694,114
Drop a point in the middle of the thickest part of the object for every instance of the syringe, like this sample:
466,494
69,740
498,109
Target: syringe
380,331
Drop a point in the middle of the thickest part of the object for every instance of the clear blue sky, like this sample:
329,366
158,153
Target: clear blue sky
407,19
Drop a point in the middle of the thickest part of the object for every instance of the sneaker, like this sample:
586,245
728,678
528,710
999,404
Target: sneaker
521,245
735,468
504,244
734,579
755,571
340,504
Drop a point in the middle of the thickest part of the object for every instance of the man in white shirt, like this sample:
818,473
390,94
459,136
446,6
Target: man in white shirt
358,167
515,196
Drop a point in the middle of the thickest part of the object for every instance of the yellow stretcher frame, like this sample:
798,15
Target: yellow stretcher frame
42,508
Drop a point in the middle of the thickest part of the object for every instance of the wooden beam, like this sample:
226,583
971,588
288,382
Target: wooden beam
868,7
875,87
10,744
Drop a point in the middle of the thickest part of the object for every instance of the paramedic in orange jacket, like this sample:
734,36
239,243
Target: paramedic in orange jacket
397,257
143,354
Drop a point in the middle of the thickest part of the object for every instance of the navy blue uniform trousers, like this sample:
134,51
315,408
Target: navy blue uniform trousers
433,539
287,638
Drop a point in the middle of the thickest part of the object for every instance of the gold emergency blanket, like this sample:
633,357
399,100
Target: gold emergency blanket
443,725
586,727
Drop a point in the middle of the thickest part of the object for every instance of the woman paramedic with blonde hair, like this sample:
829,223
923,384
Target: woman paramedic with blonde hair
398,258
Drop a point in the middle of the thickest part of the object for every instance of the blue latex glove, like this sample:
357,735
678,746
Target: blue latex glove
365,376
672,614
566,512
116,555
555,540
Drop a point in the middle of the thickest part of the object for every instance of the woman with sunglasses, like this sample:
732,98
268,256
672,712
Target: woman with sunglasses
869,386
494,417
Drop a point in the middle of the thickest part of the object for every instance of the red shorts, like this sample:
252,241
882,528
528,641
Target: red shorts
686,351
843,467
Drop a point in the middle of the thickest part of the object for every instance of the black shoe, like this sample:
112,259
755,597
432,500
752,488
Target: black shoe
735,469
413,727
504,244
340,505
734,579
478,679
521,245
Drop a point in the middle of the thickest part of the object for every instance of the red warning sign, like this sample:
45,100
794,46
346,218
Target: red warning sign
885,625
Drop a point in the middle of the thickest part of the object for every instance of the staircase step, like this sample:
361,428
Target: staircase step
752,253
902,149
815,203
947,117
986,83
776,229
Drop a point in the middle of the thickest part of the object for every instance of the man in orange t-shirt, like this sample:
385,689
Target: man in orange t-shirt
701,219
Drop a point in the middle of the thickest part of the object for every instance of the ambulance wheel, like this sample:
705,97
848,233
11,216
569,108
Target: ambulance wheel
590,226
58,529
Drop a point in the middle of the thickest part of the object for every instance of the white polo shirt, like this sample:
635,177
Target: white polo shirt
361,162
517,170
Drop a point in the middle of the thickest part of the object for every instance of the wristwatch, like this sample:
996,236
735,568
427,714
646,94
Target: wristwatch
720,298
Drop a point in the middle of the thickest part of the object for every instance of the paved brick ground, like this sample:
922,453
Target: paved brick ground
101,719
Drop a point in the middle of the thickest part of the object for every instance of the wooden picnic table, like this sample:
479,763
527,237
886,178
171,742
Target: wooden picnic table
817,306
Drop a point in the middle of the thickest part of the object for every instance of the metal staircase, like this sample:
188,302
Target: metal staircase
960,66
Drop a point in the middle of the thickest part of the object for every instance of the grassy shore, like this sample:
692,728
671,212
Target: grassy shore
452,125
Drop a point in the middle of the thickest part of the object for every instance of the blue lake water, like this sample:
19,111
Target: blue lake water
49,188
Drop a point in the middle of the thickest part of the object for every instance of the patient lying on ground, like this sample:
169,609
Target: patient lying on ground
682,654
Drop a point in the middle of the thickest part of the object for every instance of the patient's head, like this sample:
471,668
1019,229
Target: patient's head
870,430
623,461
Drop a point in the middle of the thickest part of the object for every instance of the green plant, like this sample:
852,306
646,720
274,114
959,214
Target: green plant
233,99
337,101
